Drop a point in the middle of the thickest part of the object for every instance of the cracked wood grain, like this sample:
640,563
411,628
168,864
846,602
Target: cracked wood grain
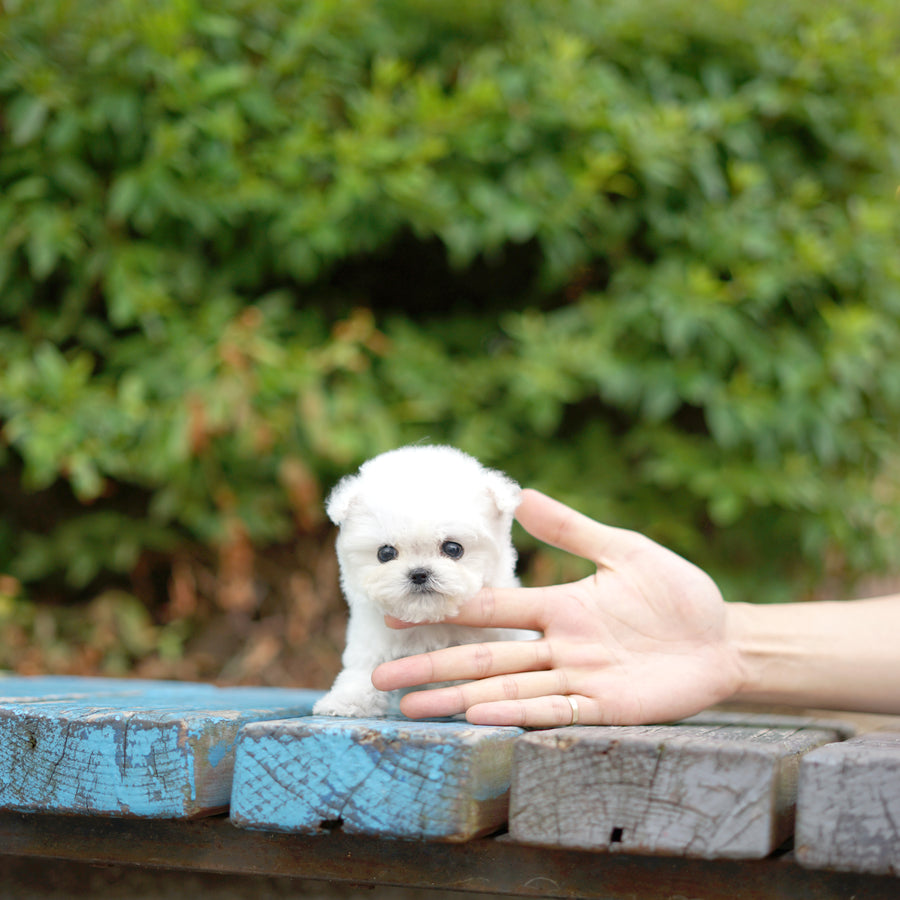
695,790
128,748
385,777
848,806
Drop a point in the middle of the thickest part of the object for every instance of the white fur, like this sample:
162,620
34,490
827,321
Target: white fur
415,499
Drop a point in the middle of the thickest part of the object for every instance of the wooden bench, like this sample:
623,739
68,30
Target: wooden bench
849,805
140,773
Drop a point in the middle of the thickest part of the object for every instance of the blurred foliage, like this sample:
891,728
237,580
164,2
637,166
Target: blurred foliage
640,255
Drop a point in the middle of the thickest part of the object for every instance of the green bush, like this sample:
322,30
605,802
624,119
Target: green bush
641,255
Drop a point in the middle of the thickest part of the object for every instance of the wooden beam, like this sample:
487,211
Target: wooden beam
848,805
486,865
156,749
389,777
689,790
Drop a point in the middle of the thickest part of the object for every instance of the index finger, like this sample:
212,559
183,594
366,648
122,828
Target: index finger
515,607
561,526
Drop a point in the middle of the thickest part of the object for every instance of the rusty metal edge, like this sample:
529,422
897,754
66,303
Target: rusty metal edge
486,865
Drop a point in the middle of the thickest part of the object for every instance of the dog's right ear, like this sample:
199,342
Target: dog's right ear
505,492
341,498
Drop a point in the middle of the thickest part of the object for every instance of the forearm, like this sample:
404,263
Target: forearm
843,655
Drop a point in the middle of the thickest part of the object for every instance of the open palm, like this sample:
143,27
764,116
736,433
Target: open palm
641,640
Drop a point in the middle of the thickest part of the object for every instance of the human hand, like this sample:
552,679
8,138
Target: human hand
643,639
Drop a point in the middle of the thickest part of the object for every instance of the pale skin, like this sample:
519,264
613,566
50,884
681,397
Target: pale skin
647,638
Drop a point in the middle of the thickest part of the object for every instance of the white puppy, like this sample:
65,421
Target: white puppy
422,530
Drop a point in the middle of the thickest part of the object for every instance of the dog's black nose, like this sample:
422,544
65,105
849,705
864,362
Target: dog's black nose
419,576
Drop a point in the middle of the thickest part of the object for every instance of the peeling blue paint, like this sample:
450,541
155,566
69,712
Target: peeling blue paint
119,747
219,752
393,778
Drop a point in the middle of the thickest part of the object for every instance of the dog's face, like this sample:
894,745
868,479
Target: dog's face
417,572
422,529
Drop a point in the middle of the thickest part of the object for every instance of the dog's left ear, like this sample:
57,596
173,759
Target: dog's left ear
340,499
505,493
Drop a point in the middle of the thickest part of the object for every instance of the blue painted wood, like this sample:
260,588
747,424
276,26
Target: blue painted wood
135,748
16,687
390,777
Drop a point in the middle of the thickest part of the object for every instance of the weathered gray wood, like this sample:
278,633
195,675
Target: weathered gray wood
386,777
154,749
843,728
714,791
848,806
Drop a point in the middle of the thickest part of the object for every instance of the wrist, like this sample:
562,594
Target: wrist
740,631
777,653
835,655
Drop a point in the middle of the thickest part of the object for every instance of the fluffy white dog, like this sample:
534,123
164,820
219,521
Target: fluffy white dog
422,530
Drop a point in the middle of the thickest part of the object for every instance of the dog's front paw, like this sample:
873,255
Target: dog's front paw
353,704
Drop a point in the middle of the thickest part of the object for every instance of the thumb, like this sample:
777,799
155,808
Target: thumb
561,526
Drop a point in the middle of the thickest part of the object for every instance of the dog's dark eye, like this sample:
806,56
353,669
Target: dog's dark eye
452,549
387,553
